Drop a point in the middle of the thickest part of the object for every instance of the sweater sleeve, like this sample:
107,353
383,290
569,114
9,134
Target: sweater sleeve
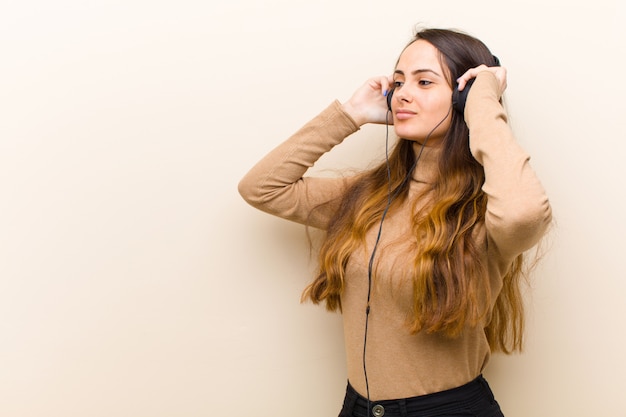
518,210
277,185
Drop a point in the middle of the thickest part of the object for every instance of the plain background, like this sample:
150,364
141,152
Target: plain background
136,282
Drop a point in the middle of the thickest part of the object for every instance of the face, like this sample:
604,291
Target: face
422,97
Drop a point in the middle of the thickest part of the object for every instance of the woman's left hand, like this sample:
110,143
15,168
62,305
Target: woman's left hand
499,72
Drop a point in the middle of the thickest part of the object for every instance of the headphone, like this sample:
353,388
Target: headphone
458,97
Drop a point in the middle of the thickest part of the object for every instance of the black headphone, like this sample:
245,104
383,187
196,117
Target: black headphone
458,97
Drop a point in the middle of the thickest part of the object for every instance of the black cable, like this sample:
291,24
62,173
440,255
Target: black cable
390,199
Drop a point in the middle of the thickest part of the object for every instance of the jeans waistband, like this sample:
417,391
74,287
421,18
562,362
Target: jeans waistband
456,398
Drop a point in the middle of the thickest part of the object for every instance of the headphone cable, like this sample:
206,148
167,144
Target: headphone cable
390,198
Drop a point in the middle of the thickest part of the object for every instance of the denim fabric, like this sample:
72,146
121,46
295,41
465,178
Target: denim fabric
474,399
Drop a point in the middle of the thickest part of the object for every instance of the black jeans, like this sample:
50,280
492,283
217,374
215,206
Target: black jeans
472,399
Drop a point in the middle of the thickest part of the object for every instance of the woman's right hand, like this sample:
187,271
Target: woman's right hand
368,104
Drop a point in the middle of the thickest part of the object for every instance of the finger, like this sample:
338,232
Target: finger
472,73
378,84
463,79
461,83
385,85
501,76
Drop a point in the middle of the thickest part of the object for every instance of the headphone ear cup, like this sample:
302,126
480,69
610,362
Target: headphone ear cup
460,97
389,97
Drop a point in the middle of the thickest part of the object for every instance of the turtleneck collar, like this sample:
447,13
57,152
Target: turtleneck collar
427,169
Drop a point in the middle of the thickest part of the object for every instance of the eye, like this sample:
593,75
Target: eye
397,84
425,82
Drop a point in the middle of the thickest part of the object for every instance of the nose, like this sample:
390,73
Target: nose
403,95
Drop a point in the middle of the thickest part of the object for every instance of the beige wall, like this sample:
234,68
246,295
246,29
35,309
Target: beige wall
135,281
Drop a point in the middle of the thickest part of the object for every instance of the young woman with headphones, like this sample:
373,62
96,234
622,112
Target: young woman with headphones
423,254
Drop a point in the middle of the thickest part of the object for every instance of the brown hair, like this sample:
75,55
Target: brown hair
450,283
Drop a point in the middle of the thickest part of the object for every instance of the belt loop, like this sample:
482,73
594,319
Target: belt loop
402,405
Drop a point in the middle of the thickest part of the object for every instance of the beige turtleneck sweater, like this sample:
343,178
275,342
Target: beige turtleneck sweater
401,364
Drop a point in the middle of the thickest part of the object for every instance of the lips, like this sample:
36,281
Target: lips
404,114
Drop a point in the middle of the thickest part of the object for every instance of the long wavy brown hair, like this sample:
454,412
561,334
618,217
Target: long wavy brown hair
450,284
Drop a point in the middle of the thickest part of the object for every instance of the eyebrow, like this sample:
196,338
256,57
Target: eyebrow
418,71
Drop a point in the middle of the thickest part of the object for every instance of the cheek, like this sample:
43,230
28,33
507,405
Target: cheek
444,102
441,116
444,110
438,104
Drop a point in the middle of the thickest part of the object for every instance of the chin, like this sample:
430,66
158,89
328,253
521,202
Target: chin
404,133
412,135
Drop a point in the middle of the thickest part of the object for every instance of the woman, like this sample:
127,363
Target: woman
422,254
